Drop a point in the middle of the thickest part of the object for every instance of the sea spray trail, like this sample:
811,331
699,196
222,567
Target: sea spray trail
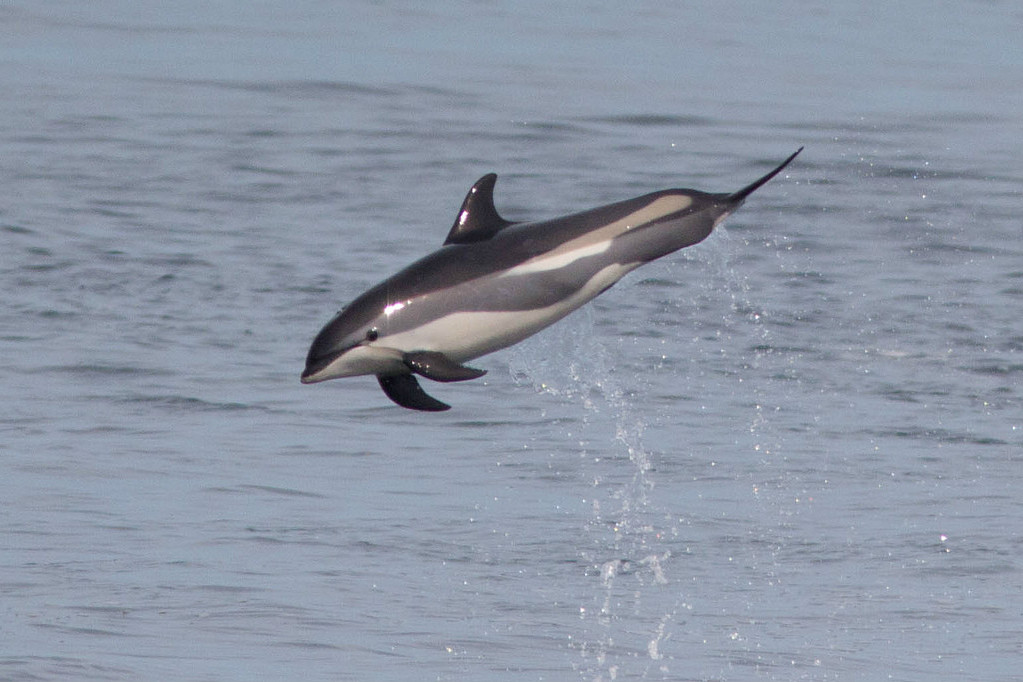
629,541
633,554
638,556
635,551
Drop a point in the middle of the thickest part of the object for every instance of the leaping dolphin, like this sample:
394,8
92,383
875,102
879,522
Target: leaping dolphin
493,283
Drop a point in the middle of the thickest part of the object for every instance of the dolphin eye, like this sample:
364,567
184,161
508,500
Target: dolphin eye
372,334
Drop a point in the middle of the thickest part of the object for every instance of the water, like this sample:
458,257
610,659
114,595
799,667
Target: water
791,452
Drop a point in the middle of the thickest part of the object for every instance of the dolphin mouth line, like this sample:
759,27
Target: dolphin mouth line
314,367
309,374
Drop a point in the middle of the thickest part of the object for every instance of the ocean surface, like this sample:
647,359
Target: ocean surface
791,452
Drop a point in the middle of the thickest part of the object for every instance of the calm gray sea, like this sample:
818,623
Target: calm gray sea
794,451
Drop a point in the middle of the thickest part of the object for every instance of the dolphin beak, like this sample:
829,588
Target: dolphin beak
307,376
352,361
313,366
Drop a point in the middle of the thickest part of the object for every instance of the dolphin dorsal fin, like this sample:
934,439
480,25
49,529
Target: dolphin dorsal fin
477,220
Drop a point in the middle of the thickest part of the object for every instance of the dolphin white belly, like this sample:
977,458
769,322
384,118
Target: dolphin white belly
467,335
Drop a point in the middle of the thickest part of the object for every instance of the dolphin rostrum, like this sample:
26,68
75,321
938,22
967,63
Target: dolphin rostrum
493,283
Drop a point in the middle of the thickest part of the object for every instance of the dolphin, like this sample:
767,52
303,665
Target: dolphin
494,283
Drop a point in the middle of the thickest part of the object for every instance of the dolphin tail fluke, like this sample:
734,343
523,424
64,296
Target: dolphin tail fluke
740,196
406,391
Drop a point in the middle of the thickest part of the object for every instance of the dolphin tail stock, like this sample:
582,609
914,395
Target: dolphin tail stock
404,390
740,196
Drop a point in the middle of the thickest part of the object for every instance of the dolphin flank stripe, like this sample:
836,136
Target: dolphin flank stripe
494,283
556,260
657,208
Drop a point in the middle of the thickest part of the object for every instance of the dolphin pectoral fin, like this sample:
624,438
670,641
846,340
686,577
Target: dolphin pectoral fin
439,367
406,391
